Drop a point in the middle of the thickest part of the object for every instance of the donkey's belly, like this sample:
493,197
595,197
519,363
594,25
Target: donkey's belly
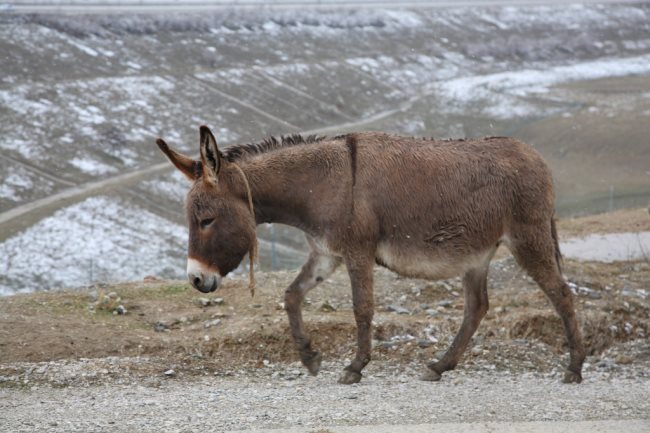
428,265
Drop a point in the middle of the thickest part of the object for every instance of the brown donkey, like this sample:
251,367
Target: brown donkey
422,208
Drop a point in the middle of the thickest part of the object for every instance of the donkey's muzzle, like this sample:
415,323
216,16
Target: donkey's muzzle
202,279
204,286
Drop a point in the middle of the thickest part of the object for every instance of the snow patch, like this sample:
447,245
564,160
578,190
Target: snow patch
501,95
99,239
91,166
15,183
175,186
609,247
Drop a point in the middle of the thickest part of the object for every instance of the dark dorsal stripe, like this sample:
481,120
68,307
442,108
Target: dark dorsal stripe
351,144
241,151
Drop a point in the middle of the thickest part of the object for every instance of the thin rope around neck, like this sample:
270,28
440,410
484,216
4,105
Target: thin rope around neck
252,253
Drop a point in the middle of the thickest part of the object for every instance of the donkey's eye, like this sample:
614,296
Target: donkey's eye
206,222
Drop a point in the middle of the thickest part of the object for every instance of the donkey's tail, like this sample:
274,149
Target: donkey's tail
558,255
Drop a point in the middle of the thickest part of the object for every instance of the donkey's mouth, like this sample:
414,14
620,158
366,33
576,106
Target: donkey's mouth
203,279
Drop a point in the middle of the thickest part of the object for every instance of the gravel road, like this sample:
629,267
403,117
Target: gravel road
280,397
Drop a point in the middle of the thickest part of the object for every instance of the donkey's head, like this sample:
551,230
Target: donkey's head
222,228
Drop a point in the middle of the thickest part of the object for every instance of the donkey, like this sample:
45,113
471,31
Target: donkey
422,208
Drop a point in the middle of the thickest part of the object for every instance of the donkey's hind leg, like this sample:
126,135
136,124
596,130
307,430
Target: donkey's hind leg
318,267
536,250
476,306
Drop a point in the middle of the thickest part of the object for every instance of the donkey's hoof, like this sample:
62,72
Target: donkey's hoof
349,377
430,375
572,377
313,363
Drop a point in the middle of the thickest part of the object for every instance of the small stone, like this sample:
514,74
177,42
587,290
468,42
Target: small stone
605,364
256,306
211,323
203,302
291,375
628,327
477,350
327,307
160,327
170,373
387,344
423,344
624,359
121,310
431,312
217,301
445,303
397,309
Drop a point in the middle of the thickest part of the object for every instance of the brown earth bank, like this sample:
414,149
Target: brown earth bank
153,330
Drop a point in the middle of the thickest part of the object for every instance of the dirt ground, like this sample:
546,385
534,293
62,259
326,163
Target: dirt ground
169,325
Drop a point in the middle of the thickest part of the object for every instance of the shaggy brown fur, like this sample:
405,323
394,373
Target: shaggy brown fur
422,208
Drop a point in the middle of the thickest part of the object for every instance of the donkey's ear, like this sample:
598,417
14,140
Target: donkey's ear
190,168
210,155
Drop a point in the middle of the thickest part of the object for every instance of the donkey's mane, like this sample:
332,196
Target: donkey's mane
242,151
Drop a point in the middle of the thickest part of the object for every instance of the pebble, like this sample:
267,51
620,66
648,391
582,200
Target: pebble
170,373
397,309
207,302
446,303
204,302
121,310
327,307
211,323
387,344
431,312
624,359
160,327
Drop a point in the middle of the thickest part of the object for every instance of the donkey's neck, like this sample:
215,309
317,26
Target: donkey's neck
301,187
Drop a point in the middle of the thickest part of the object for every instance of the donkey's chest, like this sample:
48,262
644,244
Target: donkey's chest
431,265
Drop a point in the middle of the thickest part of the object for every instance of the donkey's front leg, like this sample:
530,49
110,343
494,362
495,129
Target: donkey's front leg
317,268
360,271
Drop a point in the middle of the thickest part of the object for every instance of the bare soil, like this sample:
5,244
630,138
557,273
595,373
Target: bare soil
170,325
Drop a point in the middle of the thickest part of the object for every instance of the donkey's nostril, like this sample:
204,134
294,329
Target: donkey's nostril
197,282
